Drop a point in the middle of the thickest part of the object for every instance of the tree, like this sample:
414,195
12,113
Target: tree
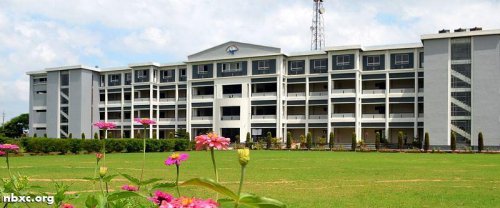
45,135
289,140
353,142
15,127
453,143
480,142
400,140
269,139
426,141
171,135
237,139
331,142
187,136
377,140
180,133
83,135
34,135
96,135
309,140
248,140
70,136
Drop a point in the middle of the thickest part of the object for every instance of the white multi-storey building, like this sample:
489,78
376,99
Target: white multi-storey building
235,88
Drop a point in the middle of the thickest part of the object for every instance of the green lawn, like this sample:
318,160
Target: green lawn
304,179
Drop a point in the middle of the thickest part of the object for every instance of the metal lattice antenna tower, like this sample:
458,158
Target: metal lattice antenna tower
317,27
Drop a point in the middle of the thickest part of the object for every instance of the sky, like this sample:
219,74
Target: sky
37,34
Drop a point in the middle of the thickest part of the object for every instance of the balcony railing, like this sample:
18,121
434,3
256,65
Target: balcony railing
166,119
232,95
181,119
167,99
420,115
343,115
365,115
182,98
373,91
296,117
318,93
401,115
202,118
263,116
263,94
296,94
141,99
203,96
318,116
405,90
343,91
114,120
228,118
420,89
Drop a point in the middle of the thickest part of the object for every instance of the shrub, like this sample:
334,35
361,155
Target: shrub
377,141
237,139
353,141
115,145
91,145
426,141
83,135
303,140
480,142
247,141
453,143
34,135
400,140
45,135
70,136
171,135
289,140
75,146
187,136
309,140
269,140
96,135
331,143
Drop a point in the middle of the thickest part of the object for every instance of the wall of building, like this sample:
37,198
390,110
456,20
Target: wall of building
53,104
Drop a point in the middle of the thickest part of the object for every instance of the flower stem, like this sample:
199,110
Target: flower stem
241,185
213,163
177,182
95,172
143,157
8,164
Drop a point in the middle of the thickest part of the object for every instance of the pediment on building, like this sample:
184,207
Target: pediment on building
233,49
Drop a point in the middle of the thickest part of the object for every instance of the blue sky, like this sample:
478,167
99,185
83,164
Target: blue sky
36,34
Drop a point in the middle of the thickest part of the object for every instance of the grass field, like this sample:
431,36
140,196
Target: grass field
303,179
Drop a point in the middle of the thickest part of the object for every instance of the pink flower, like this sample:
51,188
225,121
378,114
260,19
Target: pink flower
186,202
211,140
9,148
160,197
105,125
99,156
176,159
66,205
2,153
129,188
145,121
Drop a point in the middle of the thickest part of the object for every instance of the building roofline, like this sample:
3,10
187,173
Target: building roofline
238,57
232,42
60,68
459,34
306,53
144,64
392,46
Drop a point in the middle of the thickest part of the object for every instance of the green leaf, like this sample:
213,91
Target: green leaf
122,195
133,180
211,184
258,201
91,201
152,180
163,185
109,178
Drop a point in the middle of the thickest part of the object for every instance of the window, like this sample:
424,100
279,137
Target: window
297,66
167,74
263,65
401,59
40,80
142,74
373,61
319,64
182,72
231,67
102,81
343,60
203,69
114,78
41,92
128,78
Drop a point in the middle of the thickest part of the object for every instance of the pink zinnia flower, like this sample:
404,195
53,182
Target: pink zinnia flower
145,121
176,159
99,156
160,197
2,153
129,188
105,125
9,148
66,205
186,202
211,140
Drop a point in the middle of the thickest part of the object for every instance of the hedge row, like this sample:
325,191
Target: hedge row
47,145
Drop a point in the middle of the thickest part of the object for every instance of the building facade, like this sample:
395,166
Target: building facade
238,88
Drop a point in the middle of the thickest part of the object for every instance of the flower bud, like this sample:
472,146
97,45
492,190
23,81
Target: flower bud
99,156
244,156
103,171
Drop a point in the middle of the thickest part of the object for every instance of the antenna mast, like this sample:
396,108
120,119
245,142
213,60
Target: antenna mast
317,27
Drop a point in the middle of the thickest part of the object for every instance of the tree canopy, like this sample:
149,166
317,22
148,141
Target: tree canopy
14,128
